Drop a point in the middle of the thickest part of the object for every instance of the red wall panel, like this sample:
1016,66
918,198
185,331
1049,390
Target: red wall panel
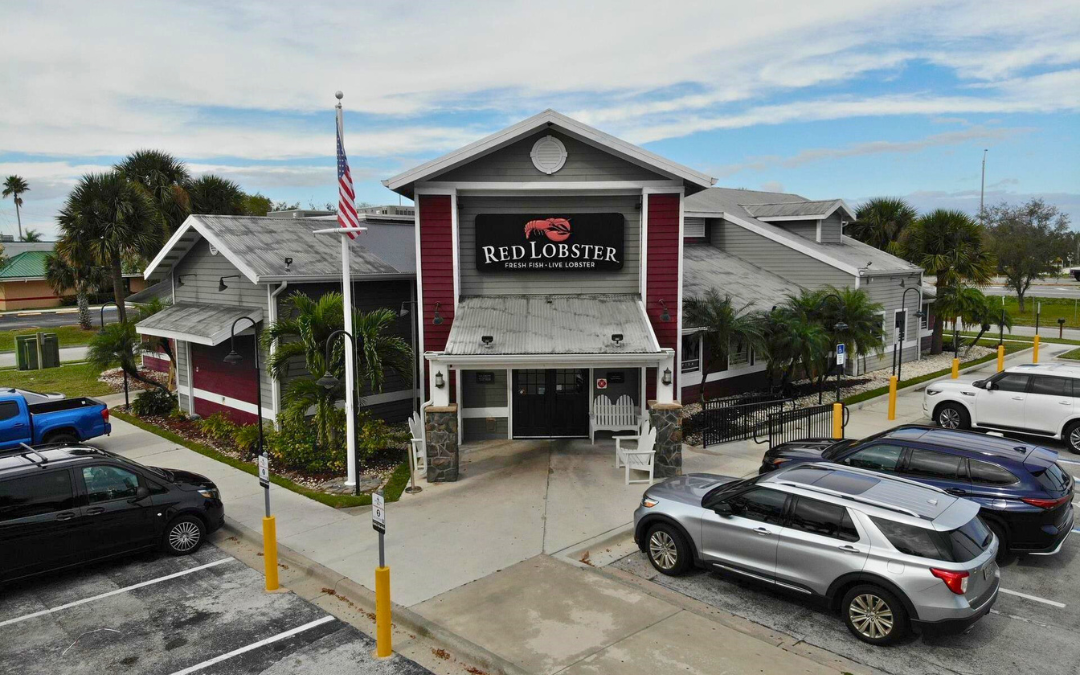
436,267
662,273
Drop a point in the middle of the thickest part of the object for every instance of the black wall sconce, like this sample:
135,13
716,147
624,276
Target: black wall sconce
666,316
221,282
440,382
666,379
288,264
438,317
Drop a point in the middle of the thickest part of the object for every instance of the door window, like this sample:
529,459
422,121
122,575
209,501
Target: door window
106,483
985,473
8,410
36,494
1051,386
532,382
1012,382
821,518
760,504
933,465
875,458
569,382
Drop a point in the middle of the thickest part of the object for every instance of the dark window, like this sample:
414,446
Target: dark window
1053,479
569,382
8,409
930,464
827,520
36,494
1052,386
959,545
760,504
875,458
532,382
1012,382
106,483
986,473
691,353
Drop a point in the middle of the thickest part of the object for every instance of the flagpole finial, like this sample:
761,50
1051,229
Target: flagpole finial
339,95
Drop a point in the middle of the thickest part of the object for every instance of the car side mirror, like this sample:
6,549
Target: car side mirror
979,384
141,493
722,509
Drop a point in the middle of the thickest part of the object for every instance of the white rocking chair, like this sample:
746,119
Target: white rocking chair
416,443
633,438
641,458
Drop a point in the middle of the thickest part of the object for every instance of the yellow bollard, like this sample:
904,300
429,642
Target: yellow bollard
270,552
1035,351
892,397
1001,358
955,368
837,420
383,647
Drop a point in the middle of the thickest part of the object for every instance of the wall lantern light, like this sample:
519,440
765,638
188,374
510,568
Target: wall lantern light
221,282
438,317
439,381
667,377
666,316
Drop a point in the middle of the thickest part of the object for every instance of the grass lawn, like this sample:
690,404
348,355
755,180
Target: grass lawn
76,379
1044,339
1074,354
69,336
1052,310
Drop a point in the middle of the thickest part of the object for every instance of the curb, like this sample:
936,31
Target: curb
402,616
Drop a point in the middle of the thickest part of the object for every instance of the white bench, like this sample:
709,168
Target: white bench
418,454
607,416
641,458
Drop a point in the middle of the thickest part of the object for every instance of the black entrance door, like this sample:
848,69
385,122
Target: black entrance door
551,402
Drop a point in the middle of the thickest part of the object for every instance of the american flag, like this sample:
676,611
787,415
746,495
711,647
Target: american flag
346,212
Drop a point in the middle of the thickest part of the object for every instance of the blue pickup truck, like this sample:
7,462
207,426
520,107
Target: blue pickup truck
66,420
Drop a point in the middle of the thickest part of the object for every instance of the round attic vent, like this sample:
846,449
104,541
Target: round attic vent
213,250
548,154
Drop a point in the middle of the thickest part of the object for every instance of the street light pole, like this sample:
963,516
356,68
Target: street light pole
328,381
903,330
101,318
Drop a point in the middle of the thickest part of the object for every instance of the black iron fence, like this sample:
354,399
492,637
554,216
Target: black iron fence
738,417
799,424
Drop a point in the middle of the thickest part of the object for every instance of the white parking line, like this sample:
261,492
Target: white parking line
116,592
1068,461
255,645
1052,603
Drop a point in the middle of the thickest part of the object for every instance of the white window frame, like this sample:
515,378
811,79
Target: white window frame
697,361
924,322
733,365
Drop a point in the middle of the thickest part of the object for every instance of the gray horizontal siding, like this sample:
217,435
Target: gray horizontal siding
630,386
803,228
583,163
486,395
486,429
887,291
875,362
473,282
831,228
777,258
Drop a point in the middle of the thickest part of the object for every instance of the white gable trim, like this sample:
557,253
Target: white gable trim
169,245
794,245
193,223
546,119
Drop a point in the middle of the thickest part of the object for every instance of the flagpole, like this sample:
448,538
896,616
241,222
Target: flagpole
350,356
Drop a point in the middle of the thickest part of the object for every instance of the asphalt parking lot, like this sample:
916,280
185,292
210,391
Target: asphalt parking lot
205,613
1033,627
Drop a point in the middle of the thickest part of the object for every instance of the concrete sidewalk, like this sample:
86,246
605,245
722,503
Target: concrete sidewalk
67,354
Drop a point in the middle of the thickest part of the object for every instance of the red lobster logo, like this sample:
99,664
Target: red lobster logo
555,229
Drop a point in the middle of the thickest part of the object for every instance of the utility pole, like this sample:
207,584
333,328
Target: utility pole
982,188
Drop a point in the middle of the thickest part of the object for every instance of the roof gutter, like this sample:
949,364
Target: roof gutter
272,316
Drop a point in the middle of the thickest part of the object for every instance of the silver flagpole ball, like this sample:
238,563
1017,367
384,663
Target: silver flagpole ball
339,95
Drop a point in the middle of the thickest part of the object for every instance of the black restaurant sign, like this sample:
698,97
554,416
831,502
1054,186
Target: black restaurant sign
570,242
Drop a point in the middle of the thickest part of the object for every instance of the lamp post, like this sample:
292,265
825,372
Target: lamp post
269,527
328,382
903,331
101,318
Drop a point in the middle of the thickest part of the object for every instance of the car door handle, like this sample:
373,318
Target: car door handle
66,515
762,531
17,425
95,510
956,491
1018,398
848,548
1064,402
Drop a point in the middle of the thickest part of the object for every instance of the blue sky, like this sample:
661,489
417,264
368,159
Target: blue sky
849,99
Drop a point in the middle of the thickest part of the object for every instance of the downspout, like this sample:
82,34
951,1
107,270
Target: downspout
272,313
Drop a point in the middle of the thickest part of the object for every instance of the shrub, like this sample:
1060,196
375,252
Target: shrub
247,437
154,402
178,415
218,427
375,434
295,447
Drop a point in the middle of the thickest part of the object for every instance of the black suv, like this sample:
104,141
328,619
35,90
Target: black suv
1026,497
65,505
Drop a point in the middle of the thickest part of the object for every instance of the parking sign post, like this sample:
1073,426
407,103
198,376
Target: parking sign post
383,647
269,526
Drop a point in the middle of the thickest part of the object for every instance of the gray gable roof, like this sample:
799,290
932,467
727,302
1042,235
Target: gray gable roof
706,266
795,210
258,247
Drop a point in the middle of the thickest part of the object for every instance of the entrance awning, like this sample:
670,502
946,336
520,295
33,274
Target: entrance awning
604,327
202,324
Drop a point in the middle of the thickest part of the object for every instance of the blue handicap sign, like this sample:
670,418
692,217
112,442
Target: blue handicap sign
840,349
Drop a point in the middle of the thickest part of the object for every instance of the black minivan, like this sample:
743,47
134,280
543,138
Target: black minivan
66,505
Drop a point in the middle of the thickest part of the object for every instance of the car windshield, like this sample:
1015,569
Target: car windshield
835,450
960,545
164,473
727,487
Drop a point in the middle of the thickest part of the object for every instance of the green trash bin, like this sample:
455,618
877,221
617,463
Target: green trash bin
50,351
26,352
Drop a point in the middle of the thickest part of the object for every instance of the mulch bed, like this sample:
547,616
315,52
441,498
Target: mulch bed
114,377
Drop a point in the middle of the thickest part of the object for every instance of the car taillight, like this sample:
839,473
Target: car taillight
956,581
105,414
1046,503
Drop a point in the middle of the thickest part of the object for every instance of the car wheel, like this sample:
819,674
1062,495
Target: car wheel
668,550
1003,554
184,535
65,439
952,416
1072,437
874,615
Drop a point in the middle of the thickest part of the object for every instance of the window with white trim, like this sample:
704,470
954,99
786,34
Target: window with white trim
691,353
924,322
739,355
882,327
694,227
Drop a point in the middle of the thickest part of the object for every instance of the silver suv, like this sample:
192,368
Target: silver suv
889,553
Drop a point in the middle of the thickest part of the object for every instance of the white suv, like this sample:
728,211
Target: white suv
1042,400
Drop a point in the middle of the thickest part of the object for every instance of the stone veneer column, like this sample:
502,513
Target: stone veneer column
666,418
441,432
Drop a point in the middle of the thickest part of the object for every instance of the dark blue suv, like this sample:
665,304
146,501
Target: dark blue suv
1026,497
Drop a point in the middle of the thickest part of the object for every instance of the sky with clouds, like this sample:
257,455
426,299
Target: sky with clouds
840,98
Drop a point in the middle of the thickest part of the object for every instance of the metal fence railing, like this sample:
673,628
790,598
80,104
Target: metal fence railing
799,424
738,421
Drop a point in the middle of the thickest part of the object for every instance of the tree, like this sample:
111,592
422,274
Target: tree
257,204
153,343
14,187
723,325
1026,240
66,269
31,235
950,246
108,217
303,336
165,179
791,342
118,344
212,194
881,221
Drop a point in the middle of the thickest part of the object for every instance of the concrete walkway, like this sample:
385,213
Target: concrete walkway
67,354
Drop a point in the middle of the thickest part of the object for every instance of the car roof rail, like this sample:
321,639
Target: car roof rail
854,498
833,466
30,451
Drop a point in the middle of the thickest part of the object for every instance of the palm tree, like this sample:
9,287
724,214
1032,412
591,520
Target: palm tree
950,246
792,342
881,221
165,179
724,325
303,336
153,343
108,217
15,186
216,195
31,235
64,271
118,345
968,306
